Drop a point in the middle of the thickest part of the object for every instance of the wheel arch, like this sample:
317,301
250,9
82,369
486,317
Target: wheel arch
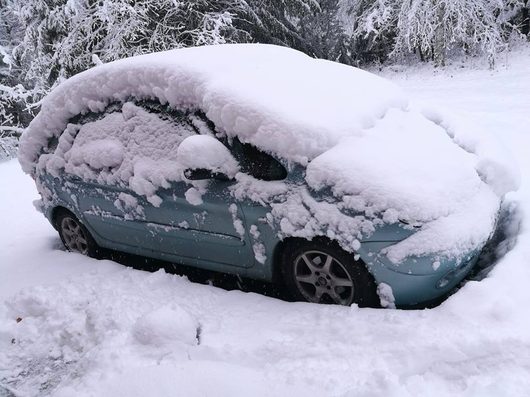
369,298
288,241
56,211
93,248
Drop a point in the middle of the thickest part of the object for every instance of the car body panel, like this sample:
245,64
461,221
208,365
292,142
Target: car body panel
417,279
203,230
211,242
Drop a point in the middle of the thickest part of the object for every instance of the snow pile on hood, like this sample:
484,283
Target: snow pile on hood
406,168
380,157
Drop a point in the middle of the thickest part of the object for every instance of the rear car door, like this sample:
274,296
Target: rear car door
103,161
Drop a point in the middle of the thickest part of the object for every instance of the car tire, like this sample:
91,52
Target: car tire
75,236
322,272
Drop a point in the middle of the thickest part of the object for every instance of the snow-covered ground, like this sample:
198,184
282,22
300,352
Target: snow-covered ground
76,326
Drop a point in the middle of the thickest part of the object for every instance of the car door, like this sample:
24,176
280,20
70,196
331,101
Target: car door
204,228
211,226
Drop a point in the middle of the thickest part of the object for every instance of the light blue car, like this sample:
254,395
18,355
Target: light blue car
220,233
260,161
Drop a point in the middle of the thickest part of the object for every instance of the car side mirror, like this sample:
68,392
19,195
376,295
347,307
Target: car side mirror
199,174
204,157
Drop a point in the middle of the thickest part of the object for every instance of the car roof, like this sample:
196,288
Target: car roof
278,99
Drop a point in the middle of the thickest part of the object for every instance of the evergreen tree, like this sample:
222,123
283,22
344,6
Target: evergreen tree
15,99
278,22
61,36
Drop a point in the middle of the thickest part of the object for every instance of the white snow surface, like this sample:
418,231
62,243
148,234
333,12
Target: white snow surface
81,320
379,153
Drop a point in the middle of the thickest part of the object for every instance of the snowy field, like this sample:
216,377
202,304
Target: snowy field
77,326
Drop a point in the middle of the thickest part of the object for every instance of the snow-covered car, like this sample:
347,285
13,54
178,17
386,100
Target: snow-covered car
261,161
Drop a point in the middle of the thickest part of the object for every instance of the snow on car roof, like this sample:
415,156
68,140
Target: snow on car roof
279,99
356,132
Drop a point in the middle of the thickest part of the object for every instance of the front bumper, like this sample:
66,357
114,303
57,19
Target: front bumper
417,280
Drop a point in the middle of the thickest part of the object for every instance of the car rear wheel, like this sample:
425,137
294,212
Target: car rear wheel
321,272
74,235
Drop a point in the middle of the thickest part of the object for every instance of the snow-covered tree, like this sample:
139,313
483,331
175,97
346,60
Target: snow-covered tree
371,26
324,33
518,14
436,27
433,29
61,36
525,18
278,21
14,97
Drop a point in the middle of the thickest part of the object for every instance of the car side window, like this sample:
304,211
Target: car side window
256,163
252,161
122,143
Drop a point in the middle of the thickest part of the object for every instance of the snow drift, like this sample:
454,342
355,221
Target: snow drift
357,134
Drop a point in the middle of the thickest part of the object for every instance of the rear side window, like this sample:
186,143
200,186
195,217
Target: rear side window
146,129
126,140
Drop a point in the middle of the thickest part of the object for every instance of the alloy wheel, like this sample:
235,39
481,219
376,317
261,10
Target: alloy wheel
321,278
74,236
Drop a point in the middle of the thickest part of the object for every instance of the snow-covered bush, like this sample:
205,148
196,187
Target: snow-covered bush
15,99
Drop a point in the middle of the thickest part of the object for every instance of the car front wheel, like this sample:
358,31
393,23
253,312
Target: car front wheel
321,272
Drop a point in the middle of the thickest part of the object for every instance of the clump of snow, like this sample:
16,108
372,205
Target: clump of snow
127,201
184,224
193,196
259,93
493,162
381,158
128,204
456,234
166,325
238,223
206,152
97,154
301,215
424,179
261,192
386,296
128,146
257,246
